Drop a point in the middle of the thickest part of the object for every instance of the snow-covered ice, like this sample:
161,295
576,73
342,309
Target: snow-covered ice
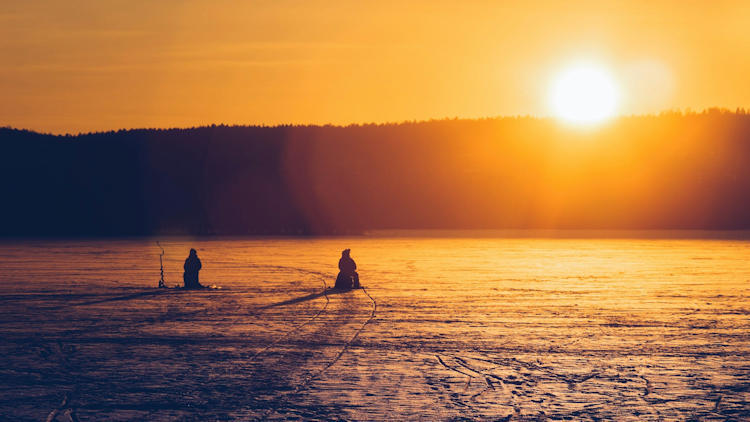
465,328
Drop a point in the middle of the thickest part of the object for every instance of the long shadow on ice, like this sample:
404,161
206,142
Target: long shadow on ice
115,298
301,299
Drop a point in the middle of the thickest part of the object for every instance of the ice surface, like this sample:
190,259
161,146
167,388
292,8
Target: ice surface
465,328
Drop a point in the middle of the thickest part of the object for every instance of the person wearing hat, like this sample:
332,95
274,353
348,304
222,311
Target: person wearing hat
348,277
191,267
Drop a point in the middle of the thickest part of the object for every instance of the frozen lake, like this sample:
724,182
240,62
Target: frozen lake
464,328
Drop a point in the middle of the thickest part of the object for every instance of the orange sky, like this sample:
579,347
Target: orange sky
96,65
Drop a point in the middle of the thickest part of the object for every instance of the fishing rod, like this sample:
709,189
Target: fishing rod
162,284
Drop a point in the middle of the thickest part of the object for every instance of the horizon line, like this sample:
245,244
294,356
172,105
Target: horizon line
740,111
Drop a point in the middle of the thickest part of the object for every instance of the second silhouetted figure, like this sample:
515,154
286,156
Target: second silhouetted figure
348,277
192,266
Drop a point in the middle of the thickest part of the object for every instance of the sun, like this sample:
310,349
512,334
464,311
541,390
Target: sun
584,94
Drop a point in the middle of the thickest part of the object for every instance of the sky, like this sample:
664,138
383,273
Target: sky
78,66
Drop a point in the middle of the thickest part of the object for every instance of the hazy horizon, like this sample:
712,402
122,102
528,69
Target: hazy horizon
572,127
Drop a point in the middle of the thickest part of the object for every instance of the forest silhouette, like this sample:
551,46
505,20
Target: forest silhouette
668,171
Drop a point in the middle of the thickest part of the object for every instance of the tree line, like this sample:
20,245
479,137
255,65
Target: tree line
669,171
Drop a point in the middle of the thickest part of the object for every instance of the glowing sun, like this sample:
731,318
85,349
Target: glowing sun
584,94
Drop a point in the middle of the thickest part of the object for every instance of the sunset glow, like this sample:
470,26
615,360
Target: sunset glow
374,210
97,65
584,94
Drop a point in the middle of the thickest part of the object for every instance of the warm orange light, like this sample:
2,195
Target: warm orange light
102,66
584,94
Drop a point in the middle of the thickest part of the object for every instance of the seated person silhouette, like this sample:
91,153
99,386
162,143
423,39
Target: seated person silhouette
348,277
192,266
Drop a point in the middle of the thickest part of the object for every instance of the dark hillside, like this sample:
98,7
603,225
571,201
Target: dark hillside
649,172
